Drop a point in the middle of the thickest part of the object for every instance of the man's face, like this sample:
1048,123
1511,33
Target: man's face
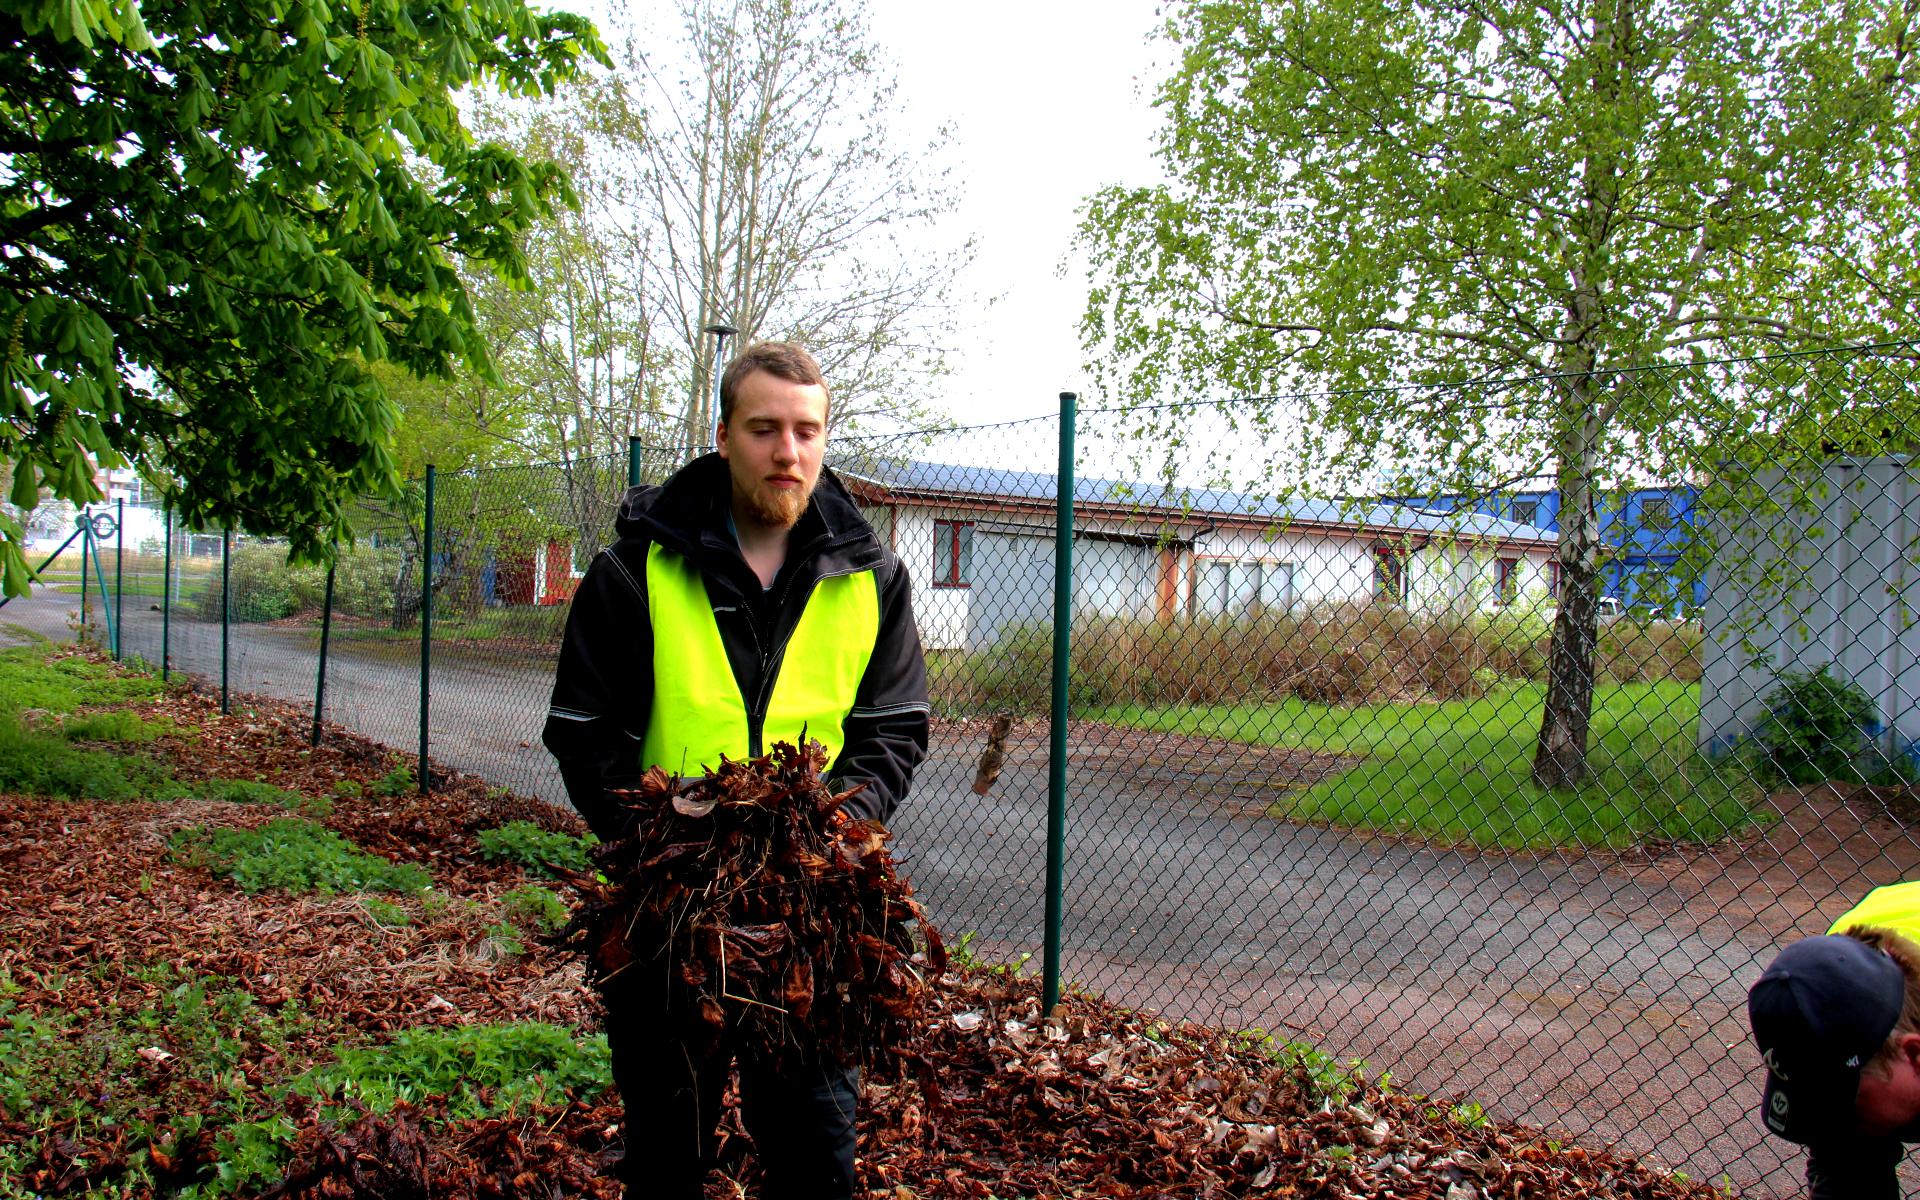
773,447
1890,1102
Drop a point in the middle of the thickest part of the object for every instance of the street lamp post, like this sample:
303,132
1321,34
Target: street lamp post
721,331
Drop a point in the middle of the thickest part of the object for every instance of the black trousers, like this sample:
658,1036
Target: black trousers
801,1118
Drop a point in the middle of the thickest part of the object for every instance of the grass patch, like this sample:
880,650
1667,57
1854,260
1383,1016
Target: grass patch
482,1070
537,849
115,725
294,855
252,791
35,762
34,677
1459,771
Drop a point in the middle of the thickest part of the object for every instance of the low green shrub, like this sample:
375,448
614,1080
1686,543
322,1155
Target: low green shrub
397,782
535,908
363,583
535,848
1816,728
264,586
482,1070
260,586
295,855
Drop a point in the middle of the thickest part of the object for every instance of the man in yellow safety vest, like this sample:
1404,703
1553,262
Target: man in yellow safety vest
1837,1020
744,600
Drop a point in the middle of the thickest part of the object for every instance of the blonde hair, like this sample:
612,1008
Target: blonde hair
1907,956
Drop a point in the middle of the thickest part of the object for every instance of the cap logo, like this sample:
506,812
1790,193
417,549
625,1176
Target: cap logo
1779,1103
1851,1062
1773,1064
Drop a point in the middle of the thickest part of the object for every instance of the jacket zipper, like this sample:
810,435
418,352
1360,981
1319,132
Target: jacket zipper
769,662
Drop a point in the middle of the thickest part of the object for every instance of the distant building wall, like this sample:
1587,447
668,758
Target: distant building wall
1845,590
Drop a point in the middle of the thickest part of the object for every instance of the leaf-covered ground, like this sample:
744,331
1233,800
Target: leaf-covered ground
166,1031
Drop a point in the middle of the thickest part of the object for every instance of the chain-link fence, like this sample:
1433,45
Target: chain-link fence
1502,762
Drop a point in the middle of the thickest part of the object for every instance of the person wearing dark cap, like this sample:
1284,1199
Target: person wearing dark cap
1837,1021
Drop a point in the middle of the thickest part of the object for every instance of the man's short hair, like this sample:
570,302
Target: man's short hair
785,360
1907,955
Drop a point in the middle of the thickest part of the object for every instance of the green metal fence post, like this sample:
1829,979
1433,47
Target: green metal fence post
166,598
326,634
119,572
1057,756
226,606
86,545
426,627
633,462
106,608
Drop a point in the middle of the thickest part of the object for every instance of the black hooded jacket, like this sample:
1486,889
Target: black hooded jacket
603,688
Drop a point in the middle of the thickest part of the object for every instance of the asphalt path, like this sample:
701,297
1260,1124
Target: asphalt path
1554,989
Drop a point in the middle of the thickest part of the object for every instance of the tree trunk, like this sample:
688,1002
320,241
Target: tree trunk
1560,759
405,602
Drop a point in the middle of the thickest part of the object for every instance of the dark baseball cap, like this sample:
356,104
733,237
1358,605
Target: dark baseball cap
1820,1011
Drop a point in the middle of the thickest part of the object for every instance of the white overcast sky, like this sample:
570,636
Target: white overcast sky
1048,100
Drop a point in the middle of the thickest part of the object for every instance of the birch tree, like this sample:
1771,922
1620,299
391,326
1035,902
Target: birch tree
1381,192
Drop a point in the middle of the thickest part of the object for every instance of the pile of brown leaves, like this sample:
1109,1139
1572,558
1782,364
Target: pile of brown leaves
1096,1100
762,910
392,1156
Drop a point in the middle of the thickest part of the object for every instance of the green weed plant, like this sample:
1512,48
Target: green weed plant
539,850
40,677
114,725
293,854
534,908
57,1071
481,1070
36,762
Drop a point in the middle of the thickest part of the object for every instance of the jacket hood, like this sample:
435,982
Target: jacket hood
688,513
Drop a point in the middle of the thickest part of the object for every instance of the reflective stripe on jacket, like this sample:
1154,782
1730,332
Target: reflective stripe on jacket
698,712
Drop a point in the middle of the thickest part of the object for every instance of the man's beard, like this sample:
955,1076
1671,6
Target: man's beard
777,507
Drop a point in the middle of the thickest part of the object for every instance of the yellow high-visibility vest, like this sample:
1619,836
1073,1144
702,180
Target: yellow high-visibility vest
698,713
1895,907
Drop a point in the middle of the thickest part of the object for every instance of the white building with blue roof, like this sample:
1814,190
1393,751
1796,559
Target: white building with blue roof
979,543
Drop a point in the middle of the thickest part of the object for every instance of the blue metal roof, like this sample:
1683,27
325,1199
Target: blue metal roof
961,483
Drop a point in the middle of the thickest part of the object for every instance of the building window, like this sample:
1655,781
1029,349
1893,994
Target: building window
952,553
1656,514
1389,576
1506,580
1233,588
1526,512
